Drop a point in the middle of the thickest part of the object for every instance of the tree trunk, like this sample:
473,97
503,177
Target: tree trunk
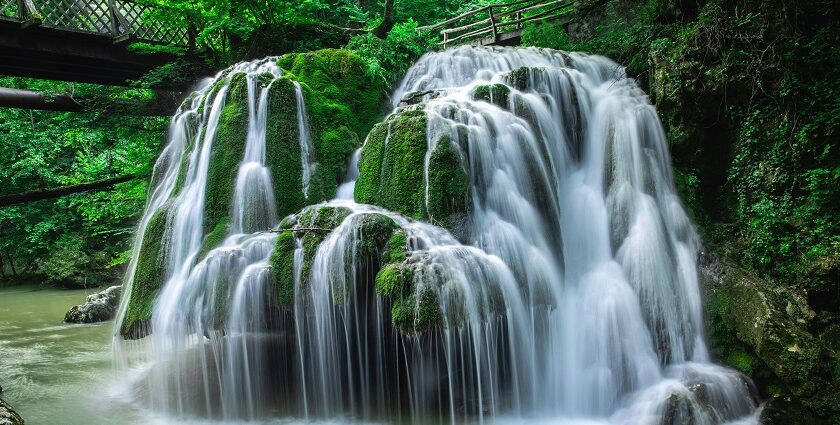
39,194
387,20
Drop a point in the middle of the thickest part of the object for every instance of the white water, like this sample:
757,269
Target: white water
575,299
304,138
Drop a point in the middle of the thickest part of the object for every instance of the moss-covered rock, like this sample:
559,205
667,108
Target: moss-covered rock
391,170
339,75
311,226
149,274
226,153
496,94
448,202
282,150
762,331
418,312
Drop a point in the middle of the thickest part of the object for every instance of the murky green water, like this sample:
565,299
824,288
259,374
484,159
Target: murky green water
52,372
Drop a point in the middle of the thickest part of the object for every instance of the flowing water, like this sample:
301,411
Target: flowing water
52,372
570,297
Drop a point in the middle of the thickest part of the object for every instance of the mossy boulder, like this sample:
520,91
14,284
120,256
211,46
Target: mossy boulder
311,226
342,106
392,172
496,94
762,330
226,153
449,202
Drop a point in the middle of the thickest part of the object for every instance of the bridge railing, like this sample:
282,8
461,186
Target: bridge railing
487,23
122,20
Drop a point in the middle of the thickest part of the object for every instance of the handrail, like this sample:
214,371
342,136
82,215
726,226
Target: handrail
470,13
123,20
500,19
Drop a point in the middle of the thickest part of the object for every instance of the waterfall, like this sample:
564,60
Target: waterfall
570,296
304,138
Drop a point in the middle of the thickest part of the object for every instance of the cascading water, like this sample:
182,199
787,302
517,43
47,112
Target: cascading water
571,295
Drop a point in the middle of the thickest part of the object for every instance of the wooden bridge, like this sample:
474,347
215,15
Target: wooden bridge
500,24
81,40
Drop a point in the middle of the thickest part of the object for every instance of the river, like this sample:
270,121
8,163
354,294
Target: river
53,372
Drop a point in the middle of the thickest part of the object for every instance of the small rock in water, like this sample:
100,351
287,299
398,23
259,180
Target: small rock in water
98,307
9,416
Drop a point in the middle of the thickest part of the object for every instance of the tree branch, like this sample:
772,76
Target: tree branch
56,192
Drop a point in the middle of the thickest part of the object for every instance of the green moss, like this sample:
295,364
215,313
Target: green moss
496,94
340,76
226,153
283,147
311,226
282,263
148,276
449,186
214,238
392,280
396,248
519,78
392,165
375,230
417,313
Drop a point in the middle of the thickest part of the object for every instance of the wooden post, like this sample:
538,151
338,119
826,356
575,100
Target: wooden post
493,25
445,36
29,15
112,19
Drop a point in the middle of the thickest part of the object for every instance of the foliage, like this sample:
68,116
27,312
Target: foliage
388,60
544,34
80,238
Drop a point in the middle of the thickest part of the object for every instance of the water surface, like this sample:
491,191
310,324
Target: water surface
53,372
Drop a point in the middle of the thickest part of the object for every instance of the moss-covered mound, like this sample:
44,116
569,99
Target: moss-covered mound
496,94
339,75
392,172
311,226
378,247
342,104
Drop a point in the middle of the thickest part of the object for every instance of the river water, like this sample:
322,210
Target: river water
53,372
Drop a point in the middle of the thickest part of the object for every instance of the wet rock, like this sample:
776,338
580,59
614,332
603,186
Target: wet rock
9,416
678,410
98,307
762,330
418,97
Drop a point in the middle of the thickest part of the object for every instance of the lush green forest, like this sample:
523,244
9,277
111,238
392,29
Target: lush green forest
746,90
